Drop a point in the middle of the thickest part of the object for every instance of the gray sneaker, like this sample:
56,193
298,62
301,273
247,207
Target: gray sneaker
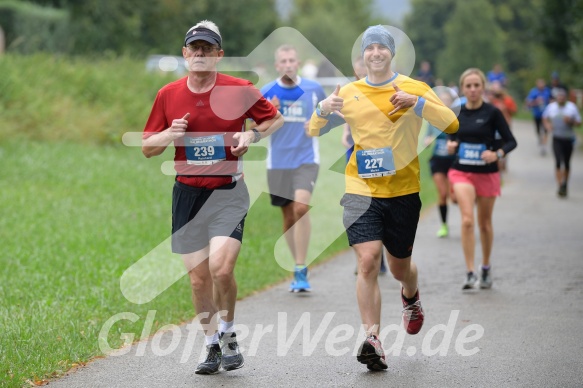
471,281
212,363
231,357
485,279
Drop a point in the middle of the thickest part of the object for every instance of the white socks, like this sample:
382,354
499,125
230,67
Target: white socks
226,327
211,339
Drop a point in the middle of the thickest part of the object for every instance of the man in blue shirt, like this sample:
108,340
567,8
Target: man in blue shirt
293,157
537,100
497,74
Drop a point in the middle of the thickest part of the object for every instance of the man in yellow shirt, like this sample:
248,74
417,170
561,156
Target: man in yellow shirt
381,205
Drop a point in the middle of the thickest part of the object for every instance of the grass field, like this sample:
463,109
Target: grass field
74,217
77,209
48,98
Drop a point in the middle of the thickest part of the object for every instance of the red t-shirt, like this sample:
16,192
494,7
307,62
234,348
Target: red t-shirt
506,105
214,117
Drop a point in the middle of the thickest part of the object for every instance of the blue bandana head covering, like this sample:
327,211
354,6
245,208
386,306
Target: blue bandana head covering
380,35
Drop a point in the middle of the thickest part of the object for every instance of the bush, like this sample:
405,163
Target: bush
31,28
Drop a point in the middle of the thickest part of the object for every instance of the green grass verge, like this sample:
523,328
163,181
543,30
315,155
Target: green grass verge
74,217
77,209
49,98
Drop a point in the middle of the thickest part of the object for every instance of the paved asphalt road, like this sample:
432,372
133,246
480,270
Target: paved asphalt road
526,331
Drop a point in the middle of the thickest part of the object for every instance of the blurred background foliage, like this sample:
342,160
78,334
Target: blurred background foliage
529,38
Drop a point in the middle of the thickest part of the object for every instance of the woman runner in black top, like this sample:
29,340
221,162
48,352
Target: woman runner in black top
474,173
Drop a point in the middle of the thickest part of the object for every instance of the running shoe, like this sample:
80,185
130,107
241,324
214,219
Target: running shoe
211,365
413,315
371,353
485,278
443,231
300,282
231,356
562,190
383,270
470,282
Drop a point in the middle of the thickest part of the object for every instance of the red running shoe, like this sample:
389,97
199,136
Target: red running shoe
371,353
413,315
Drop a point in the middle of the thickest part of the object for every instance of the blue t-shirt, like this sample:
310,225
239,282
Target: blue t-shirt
440,146
493,76
290,147
533,95
459,102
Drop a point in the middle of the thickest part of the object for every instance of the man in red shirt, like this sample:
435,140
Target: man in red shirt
204,115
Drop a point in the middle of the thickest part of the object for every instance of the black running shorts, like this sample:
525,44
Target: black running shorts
438,164
563,149
390,220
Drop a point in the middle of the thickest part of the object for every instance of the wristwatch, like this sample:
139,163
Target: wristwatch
257,135
499,154
322,112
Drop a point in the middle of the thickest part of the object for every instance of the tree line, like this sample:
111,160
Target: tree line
529,38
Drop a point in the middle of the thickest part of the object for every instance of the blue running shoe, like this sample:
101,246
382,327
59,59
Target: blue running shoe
300,282
382,271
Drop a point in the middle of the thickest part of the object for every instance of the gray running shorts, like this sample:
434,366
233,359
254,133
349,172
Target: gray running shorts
284,183
200,214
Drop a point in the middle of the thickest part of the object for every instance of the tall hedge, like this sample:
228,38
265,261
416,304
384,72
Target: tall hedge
30,28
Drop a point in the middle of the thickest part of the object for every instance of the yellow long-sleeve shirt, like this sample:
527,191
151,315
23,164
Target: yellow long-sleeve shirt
366,109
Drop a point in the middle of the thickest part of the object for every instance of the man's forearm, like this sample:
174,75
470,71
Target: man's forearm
268,127
156,144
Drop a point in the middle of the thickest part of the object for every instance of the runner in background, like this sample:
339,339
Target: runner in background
537,100
560,118
293,158
556,85
440,164
474,173
498,97
497,74
426,75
